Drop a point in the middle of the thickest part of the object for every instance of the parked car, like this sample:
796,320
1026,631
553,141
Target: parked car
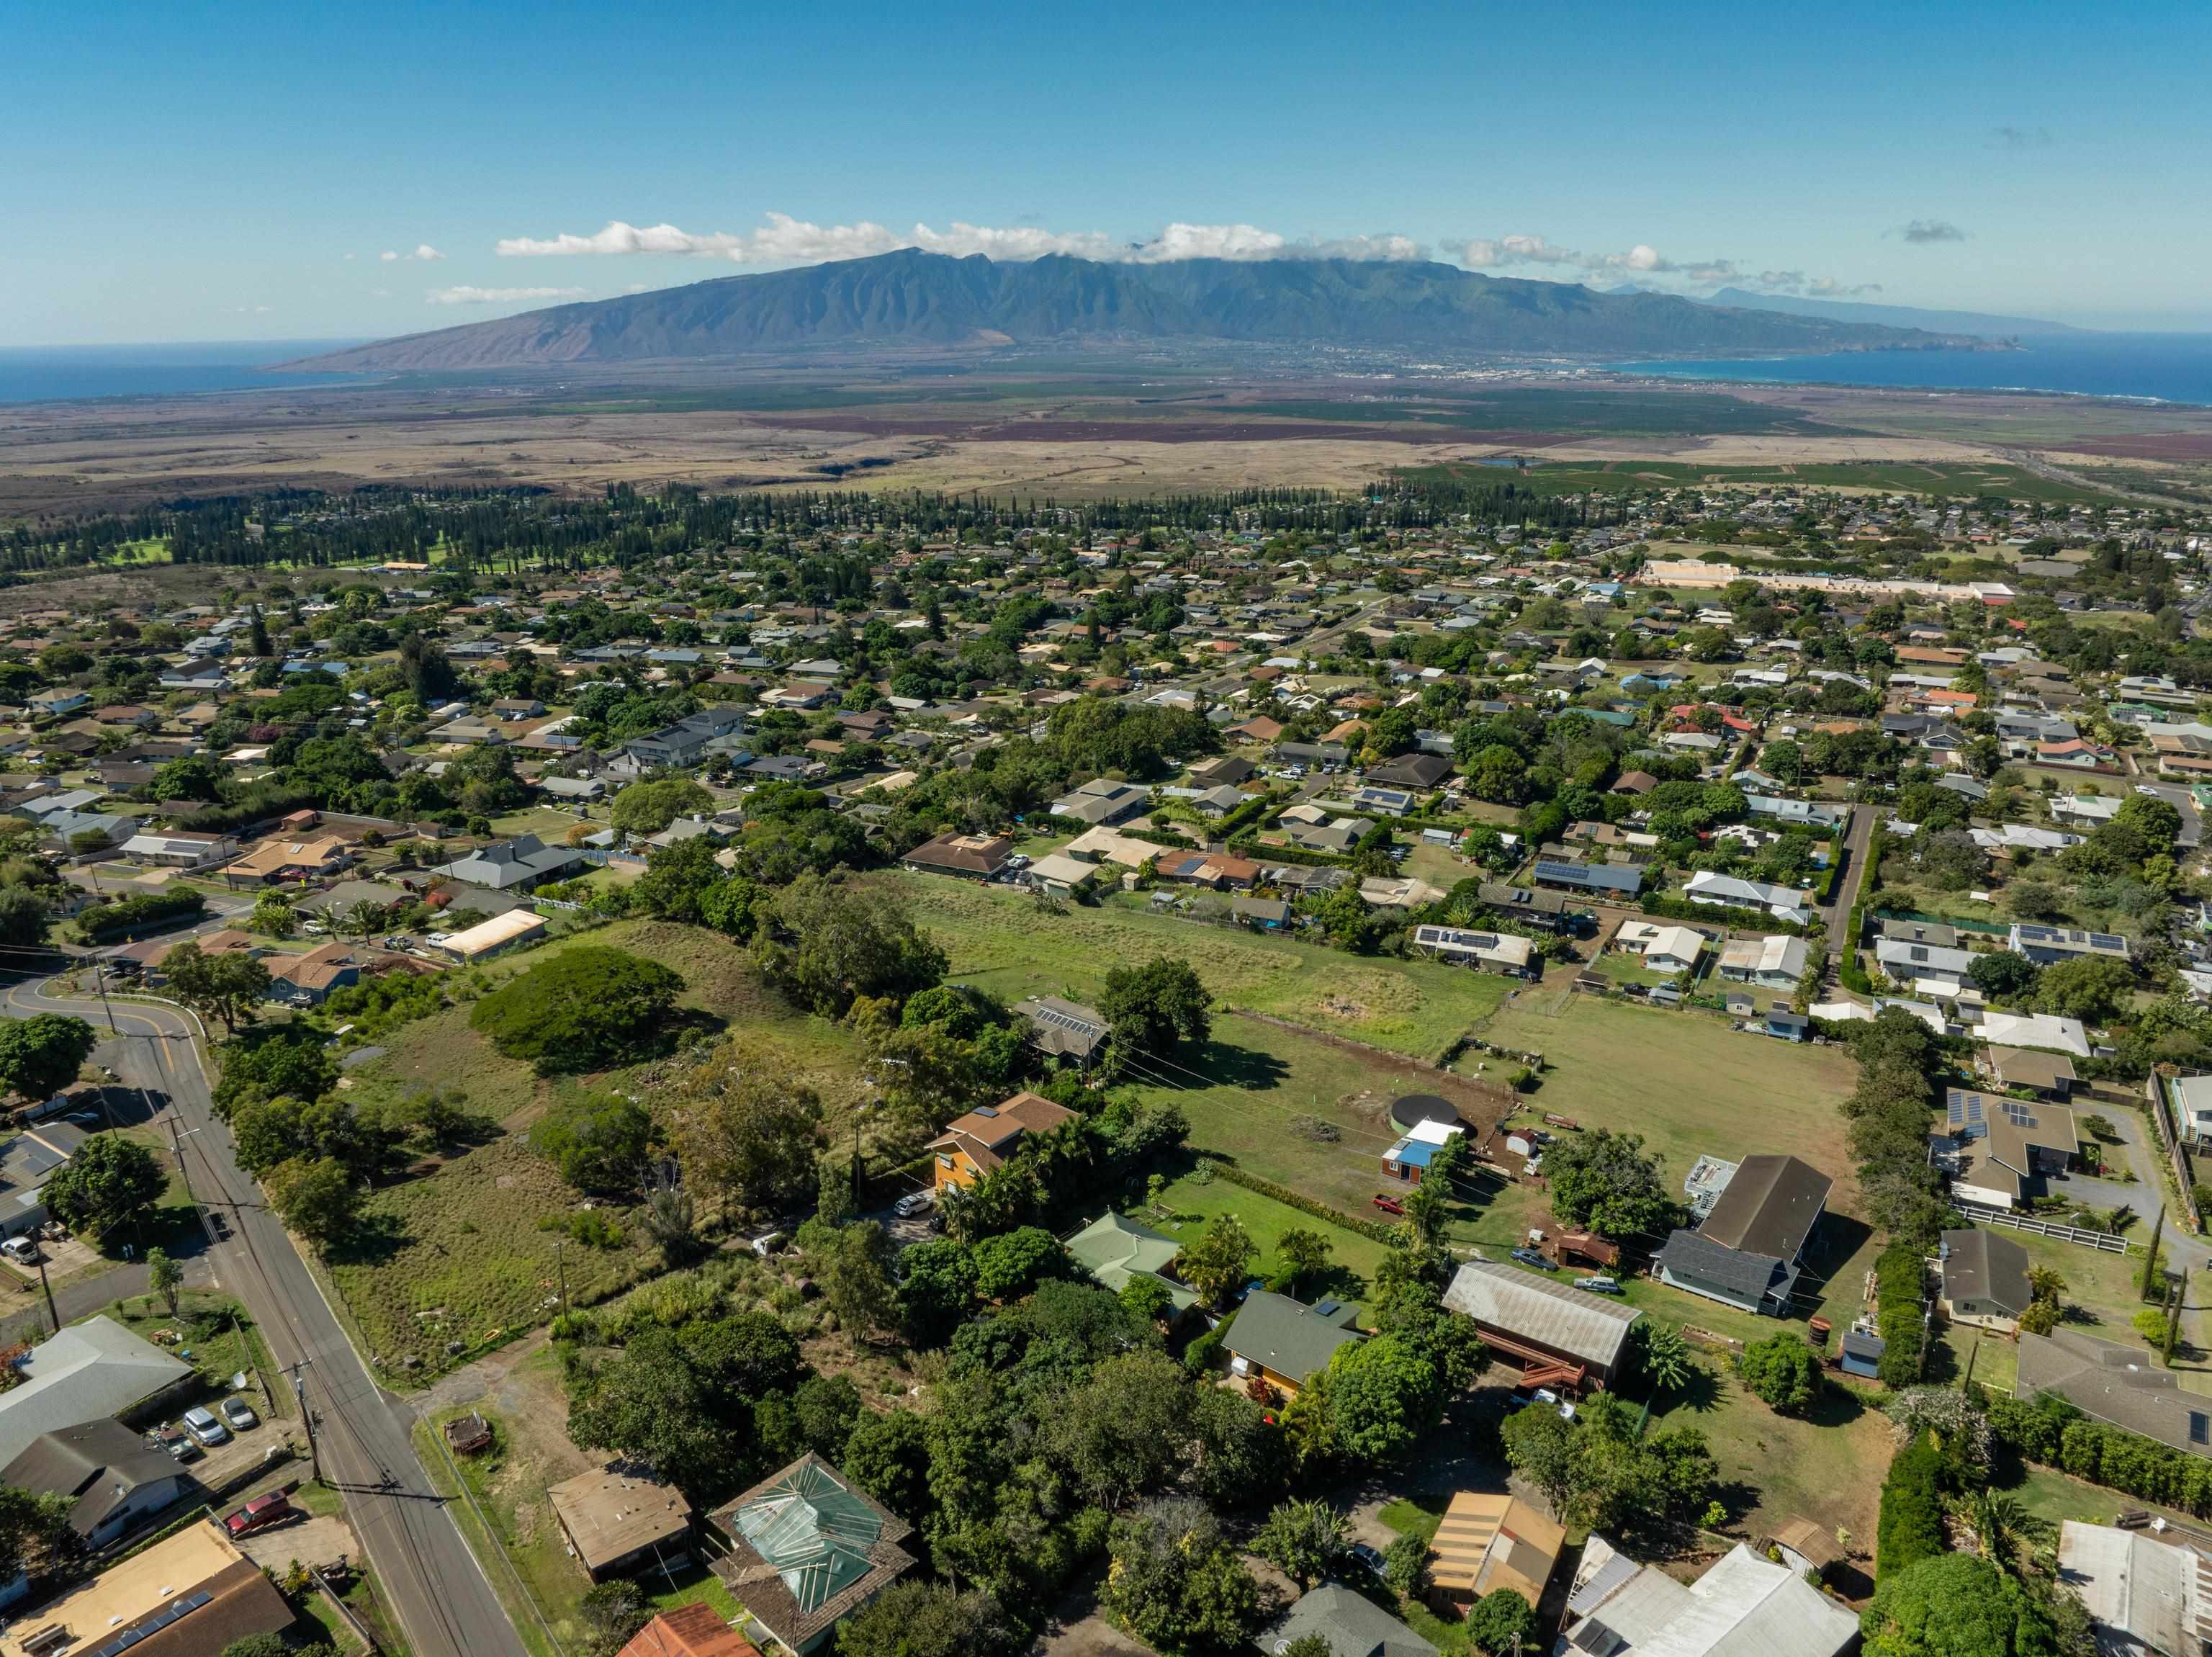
1389,1204
1599,1285
178,1445
203,1426
1368,1556
1525,1397
239,1414
1528,1257
912,1204
21,1250
264,1512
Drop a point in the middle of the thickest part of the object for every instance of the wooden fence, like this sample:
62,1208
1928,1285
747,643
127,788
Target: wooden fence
2103,1241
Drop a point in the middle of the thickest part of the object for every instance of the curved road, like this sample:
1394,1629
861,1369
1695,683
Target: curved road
445,1605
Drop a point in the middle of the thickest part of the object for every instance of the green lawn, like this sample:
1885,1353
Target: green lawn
1827,1467
999,941
1353,1260
234,1345
2046,1492
1689,1084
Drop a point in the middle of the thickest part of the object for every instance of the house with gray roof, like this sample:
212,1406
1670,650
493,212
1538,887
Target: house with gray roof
1744,1606
110,1475
1984,1279
1351,1624
2123,1385
86,1372
1746,1252
515,865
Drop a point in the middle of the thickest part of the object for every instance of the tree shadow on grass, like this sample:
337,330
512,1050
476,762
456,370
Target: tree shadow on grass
1838,1406
1702,1393
376,1240
1225,1065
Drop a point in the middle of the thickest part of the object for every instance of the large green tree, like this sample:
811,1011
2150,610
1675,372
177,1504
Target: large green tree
42,1054
931,1619
229,986
1605,1180
746,1130
1175,1583
111,1181
1153,1011
587,1008
1782,1370
1306,1539
829,941
645,809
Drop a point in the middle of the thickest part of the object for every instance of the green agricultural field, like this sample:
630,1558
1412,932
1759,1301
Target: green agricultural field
1001,942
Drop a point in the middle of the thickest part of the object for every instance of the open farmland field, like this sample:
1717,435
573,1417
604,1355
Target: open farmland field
1821,467
999,941
1689,1084
1261,1094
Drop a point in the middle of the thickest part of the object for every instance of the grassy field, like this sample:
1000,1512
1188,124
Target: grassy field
458,1256
1826,1467
1688,1083
1353,1260
1002,942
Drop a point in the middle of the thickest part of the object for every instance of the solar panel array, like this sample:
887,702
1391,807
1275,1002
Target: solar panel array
2107,940
153,1624
1053,1015
1965,1114
2018,1115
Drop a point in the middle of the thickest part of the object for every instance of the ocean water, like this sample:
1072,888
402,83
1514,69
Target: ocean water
42,373
2164,368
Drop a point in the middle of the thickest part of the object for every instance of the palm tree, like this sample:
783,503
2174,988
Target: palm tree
1664,1355
2044,1284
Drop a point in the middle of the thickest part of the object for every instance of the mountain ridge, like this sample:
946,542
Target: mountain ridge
911,297
1981,324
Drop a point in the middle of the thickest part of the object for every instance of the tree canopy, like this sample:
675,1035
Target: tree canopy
585,1009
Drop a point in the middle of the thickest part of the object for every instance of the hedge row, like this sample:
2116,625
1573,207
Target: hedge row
105,921
1247,845
2054,1433
1681,909
1911,1524
1853,975
1247,814
1374,1230
1899,1282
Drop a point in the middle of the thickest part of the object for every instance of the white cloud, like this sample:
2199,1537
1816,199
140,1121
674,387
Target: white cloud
388,256
467,295
1503,252
349,258
783,240
1923,231
1491,255
423,252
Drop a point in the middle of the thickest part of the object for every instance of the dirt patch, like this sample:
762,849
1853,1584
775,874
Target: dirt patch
1482,1105
321,1539
2148,445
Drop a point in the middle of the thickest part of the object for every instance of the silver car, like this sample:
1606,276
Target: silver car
203,1426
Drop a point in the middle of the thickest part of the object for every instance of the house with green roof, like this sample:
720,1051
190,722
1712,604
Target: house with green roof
807,1549
1113,1250
1286,1343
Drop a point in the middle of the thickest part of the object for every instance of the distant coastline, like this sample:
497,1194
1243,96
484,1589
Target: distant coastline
2147,368
55,374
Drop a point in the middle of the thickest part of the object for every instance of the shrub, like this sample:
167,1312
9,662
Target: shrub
590,1009
1784,1371
1898,1277
1912,1523
102,921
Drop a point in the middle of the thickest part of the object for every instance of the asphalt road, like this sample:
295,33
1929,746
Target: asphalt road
445,1605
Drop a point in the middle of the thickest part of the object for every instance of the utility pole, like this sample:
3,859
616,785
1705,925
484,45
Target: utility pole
308,1417
99,979
49,1289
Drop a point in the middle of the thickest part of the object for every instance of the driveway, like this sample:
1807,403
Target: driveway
2141,1156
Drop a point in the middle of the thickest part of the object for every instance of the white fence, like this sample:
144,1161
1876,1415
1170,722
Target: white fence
2104,1241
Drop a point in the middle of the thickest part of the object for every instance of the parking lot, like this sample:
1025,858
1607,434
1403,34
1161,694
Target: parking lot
219,1465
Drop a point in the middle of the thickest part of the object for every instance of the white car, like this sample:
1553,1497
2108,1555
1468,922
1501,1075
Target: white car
913,1202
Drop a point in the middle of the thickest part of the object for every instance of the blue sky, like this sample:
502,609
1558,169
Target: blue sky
181,171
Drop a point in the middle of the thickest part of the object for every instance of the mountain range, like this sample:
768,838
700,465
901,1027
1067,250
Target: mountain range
914,298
